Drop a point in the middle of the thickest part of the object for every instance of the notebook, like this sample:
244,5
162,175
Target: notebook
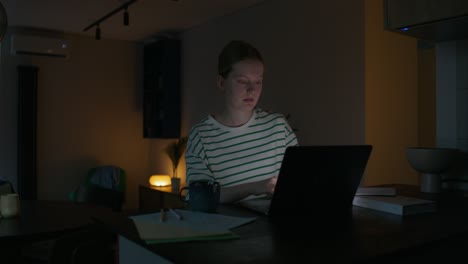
315,178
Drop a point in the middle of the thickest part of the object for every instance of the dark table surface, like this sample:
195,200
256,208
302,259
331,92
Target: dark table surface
364,236
40,219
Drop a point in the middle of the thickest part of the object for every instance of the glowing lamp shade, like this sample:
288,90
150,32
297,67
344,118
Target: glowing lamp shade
160,180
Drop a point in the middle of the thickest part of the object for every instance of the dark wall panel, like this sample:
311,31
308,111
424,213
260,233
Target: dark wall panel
27,124
161,93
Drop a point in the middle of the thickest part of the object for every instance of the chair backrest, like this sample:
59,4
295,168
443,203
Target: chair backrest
6,187
109,177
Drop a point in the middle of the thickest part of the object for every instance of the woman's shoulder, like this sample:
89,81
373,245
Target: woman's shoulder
270,115
206,121
202,125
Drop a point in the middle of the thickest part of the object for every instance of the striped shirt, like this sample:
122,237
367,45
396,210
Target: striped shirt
236,155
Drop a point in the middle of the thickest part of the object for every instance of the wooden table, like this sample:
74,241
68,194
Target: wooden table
365,236
40,220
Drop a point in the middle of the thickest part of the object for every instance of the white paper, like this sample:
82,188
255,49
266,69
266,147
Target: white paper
197,220
193,224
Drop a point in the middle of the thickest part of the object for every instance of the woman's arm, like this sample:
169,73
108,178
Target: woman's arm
239,192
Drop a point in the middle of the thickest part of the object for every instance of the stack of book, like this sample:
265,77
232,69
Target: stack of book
387,200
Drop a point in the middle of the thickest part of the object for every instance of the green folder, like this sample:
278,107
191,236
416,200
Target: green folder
189,226
186,239
153,232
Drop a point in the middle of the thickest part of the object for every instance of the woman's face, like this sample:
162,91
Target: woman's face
243,85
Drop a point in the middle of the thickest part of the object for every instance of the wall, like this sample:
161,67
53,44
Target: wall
452,91
96,120
452,107
426,95
8,120
89,114
391,81
314,56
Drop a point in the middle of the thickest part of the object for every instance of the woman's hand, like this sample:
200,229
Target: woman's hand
270,185
239,192
266,186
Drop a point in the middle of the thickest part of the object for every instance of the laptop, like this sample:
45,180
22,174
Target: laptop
315,178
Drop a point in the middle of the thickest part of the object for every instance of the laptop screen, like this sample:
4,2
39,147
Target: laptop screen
315,178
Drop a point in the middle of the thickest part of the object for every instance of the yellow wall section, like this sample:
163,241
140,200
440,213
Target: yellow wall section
391,87
427,97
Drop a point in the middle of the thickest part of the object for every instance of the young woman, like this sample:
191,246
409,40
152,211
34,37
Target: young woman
242,146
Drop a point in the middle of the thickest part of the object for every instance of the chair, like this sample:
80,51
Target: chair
107,177
6,187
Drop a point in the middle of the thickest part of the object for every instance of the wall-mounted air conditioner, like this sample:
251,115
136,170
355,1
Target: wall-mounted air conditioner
430,20
40,46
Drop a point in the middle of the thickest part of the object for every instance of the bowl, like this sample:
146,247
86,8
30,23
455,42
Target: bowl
430,162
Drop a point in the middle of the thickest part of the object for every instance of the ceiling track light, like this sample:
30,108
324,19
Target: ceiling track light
98,32
97,22
126,19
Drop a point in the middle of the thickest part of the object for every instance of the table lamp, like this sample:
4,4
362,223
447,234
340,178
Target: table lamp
159,180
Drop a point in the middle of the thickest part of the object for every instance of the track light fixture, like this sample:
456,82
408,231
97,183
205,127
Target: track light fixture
98,32
126,18
3,22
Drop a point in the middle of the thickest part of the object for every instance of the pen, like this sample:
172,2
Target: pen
163,215
177,215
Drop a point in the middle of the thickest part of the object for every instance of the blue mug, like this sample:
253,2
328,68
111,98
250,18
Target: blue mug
203,195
